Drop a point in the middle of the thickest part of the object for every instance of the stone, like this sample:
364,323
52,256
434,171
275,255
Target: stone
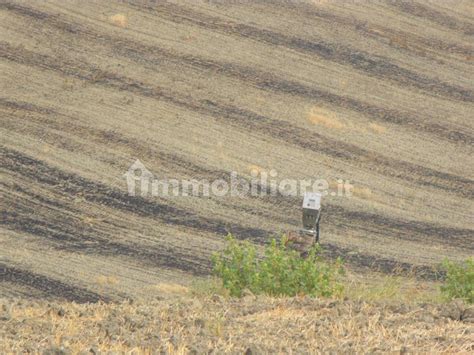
252,350
468,315
453,310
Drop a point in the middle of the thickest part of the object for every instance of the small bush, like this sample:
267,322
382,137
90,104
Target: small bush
459,281
281,272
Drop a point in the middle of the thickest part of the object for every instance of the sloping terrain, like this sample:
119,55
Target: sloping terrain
380,94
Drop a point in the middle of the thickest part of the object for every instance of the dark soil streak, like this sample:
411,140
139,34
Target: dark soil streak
269,82
143,53
254,122
408,230
45,217
400,39
386,226
435,16
85,239
24,106
171,161
372,65
81,239
93,192
337,149
49,287
110,138
382,264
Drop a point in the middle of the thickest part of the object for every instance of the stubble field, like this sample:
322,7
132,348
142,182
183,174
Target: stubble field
380,94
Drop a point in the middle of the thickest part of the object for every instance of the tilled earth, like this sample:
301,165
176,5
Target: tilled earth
252,325
380,94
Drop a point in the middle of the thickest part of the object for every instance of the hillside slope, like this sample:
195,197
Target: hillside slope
379,94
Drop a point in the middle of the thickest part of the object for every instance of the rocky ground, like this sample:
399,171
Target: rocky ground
186,323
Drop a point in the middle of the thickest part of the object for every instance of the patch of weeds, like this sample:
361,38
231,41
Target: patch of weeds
281,271
459,281
385,288
209,287
391,288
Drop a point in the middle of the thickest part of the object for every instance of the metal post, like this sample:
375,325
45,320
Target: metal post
317,229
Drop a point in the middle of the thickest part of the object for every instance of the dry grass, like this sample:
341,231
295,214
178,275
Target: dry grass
323,117
171,289
378,314
362,192
213,323
119,20
106,280
256,170
375,287
377,128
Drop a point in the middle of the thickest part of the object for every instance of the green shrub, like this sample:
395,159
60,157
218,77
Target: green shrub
281,272
459,281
